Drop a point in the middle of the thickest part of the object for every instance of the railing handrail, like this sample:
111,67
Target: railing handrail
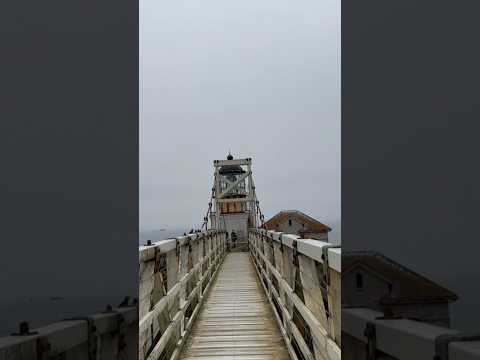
175,275
406,339
310,247
115,330
310,330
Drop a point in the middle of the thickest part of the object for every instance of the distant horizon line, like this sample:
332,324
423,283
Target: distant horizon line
164,229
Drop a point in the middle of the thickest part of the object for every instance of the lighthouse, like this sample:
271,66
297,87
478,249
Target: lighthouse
235,204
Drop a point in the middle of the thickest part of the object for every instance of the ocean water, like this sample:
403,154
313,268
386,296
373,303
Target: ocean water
156,235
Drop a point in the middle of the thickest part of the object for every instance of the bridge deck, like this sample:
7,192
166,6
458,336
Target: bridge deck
236,321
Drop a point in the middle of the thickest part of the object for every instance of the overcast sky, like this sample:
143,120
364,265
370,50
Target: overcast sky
261,78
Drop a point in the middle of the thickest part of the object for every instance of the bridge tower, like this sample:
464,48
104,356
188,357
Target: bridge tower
235,203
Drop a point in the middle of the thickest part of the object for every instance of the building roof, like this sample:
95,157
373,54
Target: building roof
312,225
411,287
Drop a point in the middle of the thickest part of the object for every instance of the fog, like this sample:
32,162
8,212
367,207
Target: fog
261,79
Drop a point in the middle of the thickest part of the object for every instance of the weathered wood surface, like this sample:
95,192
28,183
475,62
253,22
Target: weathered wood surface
236,321
175,278
404,339
175,275
104,336
293,271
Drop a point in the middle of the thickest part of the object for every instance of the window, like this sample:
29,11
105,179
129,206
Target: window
289,222
359,280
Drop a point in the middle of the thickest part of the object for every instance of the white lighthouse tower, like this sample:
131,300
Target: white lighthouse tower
235,203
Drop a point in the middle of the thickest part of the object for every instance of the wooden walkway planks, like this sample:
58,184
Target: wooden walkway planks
236,320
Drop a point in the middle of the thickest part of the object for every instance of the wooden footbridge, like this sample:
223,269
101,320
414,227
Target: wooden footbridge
278,300
268,296
234,291
237,291
235,319
200,300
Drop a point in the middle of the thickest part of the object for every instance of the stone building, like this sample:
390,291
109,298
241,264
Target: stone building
371,280
296,222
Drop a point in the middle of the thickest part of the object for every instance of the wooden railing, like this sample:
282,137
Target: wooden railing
112,334
369,334
175,275
302,280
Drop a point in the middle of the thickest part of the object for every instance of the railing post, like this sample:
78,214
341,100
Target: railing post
313,293
295,292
